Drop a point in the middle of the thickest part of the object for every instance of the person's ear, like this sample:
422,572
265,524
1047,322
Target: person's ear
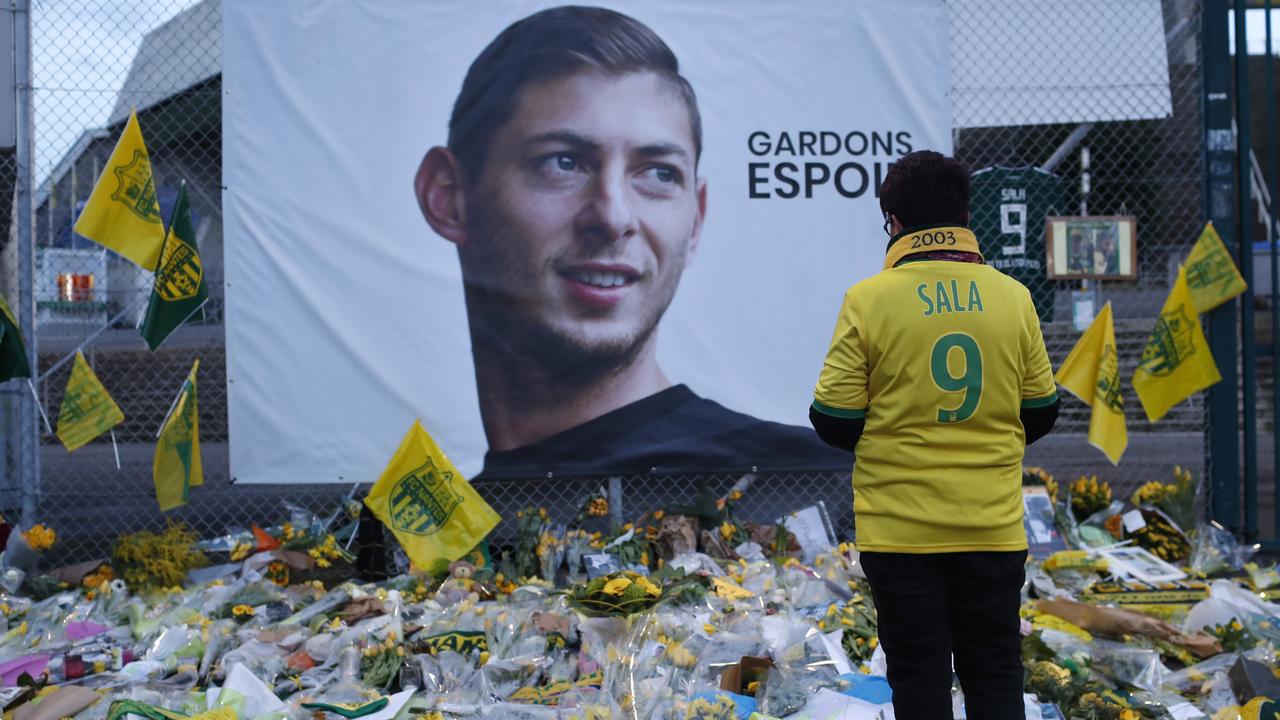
895,225
438,185
701,197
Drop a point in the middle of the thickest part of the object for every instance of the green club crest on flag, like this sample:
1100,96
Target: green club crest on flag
135,189
179,288
1212,276
422,501
1170,343
1214,273
180,274
1109,379
428,505
87,408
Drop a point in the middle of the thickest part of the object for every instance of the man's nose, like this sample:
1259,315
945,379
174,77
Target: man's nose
609,214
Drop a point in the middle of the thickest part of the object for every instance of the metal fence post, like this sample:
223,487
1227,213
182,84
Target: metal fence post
1223,454
1272,240
1244,245
615,501
28,427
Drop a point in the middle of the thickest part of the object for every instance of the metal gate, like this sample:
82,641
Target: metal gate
1240,198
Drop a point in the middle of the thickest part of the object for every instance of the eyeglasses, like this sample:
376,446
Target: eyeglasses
888,224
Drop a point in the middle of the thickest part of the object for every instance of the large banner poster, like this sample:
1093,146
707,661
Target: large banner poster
574,241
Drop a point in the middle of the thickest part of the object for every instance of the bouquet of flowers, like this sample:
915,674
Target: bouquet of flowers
1161,536
1089,495
1176,499
617,594
1032,475
857,618
40,538
148,560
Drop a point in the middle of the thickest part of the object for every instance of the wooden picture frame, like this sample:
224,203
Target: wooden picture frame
1094,247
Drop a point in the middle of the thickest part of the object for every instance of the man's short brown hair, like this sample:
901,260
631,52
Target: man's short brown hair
547,45
926,188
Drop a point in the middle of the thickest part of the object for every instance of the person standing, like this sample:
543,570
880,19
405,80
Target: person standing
937,378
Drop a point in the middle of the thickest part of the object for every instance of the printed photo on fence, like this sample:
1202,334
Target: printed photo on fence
579,245
1092,247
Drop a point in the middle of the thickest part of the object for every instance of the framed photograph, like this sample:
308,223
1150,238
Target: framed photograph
1139,563
1096,247
1043,538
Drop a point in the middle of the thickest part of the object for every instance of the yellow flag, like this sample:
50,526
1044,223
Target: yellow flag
87,408
1212,275
1176,361
176,467
432,510
122,212
1092,373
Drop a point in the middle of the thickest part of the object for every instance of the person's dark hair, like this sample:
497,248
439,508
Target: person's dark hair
926,188
547,45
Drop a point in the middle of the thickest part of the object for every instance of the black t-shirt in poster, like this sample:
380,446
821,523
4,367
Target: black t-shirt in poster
670,432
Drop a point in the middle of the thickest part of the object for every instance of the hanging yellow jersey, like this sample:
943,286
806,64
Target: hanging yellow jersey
939,357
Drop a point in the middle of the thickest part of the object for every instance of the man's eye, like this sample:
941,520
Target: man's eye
663,174
558,164
559,167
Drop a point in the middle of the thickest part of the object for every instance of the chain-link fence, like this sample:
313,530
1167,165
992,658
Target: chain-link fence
1148,167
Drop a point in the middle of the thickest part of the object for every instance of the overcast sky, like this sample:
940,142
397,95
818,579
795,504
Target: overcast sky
81,51
1257,30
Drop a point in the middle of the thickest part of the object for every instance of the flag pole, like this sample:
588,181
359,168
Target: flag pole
115,447
164,240
92,336
39,406
172,405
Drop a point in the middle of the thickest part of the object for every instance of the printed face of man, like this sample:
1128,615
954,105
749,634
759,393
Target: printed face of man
585,215
1106,242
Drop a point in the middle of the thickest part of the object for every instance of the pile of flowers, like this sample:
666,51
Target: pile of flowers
690,611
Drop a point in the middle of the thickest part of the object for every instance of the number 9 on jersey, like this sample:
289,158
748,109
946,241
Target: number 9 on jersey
969,382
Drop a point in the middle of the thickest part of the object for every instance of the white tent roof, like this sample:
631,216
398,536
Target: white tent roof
175,56
1032,62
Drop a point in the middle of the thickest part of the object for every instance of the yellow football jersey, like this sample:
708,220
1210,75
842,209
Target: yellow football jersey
938,357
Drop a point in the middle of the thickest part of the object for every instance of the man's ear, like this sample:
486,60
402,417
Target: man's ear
438,186
701,194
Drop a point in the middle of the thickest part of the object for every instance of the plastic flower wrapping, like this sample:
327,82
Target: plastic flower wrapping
687,612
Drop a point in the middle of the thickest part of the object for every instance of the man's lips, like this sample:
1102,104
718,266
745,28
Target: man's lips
600,285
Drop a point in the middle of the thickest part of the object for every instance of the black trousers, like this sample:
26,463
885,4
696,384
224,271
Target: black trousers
931,606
